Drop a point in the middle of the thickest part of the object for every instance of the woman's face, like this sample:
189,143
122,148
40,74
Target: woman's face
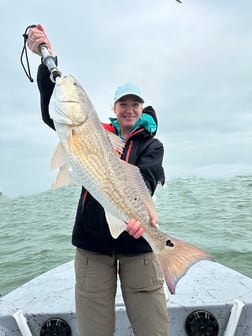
128,110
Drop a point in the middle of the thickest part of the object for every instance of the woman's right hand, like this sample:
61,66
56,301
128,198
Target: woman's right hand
36,37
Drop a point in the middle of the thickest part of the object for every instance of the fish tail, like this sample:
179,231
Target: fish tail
176,258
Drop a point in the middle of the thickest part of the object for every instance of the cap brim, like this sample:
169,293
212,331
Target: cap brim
129,94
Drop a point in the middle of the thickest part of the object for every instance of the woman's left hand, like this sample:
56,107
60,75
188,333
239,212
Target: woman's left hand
135,228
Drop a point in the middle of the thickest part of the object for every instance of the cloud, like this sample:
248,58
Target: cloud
191,60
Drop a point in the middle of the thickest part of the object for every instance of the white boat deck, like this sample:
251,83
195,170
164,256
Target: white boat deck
207,286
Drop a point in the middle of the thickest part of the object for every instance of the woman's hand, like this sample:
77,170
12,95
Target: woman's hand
36,37
135,228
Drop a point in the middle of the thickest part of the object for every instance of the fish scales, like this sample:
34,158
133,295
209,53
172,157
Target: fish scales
103,166
91,161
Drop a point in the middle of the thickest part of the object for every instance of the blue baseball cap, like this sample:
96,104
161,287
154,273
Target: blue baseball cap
128,89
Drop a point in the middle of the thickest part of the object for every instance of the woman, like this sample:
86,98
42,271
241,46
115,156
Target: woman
100,257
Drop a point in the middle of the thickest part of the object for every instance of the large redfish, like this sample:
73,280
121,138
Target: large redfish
86,155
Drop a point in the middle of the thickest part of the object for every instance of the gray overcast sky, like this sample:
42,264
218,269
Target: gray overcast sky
193,62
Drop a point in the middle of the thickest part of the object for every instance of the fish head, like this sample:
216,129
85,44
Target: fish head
69,102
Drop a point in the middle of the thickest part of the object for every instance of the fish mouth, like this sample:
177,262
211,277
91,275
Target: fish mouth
69,101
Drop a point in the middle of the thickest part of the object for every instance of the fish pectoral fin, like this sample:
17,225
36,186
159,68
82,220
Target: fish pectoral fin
176,259
59,158
72,143
64,178
116,225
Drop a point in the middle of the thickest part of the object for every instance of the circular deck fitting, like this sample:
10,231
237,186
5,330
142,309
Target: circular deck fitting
201,323
55,327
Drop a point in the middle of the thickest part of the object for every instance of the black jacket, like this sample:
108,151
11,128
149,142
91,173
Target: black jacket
142,149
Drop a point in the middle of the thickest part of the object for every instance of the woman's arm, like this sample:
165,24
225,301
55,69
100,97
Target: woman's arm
150,164
46,87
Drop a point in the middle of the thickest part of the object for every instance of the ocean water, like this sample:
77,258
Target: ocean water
214,214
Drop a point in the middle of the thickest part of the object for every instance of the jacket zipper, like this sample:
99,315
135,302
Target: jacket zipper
131,144
129,151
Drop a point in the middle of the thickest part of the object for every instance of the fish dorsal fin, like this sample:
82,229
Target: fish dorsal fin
59,158
135,179
116,142
64,178
116,225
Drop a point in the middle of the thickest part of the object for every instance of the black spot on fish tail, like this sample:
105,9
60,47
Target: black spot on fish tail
169,243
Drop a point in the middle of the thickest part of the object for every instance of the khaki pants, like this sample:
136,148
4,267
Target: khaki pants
142,289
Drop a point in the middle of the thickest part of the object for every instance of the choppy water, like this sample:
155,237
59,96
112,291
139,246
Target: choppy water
214,214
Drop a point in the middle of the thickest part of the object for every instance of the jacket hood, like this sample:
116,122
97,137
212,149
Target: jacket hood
150,111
